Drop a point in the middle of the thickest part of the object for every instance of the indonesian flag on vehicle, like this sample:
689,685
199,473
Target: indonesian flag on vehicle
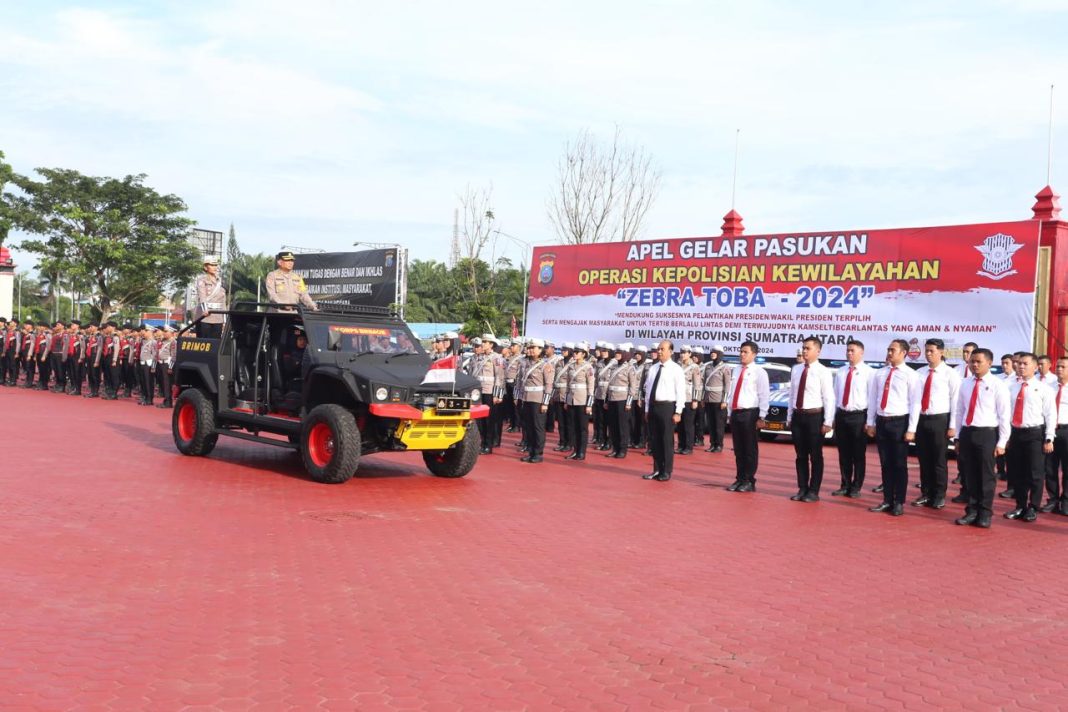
442,371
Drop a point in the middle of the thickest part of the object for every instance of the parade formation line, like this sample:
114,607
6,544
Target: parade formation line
137,578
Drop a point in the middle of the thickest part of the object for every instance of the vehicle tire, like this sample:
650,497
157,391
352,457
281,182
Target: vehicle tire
458,460
330,444
768,437
193,423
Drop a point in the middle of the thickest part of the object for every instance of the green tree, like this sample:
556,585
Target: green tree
7,199
246,277
127,239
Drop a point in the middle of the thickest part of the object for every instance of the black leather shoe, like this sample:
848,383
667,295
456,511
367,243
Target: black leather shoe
877,489
687,451
561,448
1049,507
983,522
678,451
1014,514
798,497
618,455
897,510
647,451
746,487
959,499
1030,514
840,492
967,519
604,446
578,457
710,449
853,493
937,503
651,476
1007,494
883,507
733,486
531,459
486,451
810,497
664,477
921,501
956,481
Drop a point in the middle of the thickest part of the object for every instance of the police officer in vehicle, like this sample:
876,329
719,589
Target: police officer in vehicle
286,288
210,298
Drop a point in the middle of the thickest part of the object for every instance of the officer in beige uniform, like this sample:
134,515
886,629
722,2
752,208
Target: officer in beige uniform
563,421
536,384
717,384
286,288
578,400
210,298
691,375
621,395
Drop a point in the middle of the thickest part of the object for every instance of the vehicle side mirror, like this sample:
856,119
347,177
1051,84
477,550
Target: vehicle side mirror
333,342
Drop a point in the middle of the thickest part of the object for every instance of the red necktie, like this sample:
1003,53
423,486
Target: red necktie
886,390
738,389
848,387
926,402
801,389
1018,409
972,402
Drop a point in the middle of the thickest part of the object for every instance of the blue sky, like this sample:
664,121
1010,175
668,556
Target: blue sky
322,123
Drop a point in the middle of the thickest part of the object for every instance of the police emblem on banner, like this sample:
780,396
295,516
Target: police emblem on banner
997,256
545,268
389,259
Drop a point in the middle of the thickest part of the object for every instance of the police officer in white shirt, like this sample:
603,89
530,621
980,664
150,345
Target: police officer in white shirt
1057,461
964,368
937,386
747,407
984,418
665,397
851,385
1034,425
890,420
1045,371
811,416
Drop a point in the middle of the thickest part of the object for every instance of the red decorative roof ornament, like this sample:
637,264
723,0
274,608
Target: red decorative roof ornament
732,224
1047,204
5,258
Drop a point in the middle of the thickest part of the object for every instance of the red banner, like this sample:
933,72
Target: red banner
959,283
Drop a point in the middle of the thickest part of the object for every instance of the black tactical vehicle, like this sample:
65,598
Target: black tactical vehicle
354,389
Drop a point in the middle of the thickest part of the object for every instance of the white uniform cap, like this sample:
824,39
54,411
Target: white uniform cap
602,344
608,346
643,349
537,342
490,338
451,335
504,342
569,345
718,349
582,346
685,348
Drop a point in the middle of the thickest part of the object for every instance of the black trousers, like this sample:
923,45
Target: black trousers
163,380
600,432
699,424
686,427
931,444
509,412
808,450
580,427
975,452
852,444
716,423
92,379
1057,467
893,456
59,370
30,367
1027,465
661,435
44,372
131,376
5,364
209,331
147,383
75,375
534,428
637,426
486,426
563,424
618,418
746,443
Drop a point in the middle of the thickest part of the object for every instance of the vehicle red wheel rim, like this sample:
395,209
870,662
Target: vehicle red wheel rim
321,444
187,421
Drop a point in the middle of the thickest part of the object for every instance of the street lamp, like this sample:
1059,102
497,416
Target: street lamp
526,278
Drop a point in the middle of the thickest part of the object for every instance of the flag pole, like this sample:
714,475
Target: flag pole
1049,140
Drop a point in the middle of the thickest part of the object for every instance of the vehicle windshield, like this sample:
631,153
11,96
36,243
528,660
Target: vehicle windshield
377,339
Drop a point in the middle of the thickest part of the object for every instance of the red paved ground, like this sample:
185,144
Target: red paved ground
135,578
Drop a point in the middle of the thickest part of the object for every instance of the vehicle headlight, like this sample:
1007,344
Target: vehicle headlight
429,401
476,395
381,393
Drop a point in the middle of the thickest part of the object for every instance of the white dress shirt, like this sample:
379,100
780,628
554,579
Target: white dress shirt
899,400
992,408
1039,409
670,387
1062,409
945,384
963,371
819,391
755,389
1050,379
858,386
